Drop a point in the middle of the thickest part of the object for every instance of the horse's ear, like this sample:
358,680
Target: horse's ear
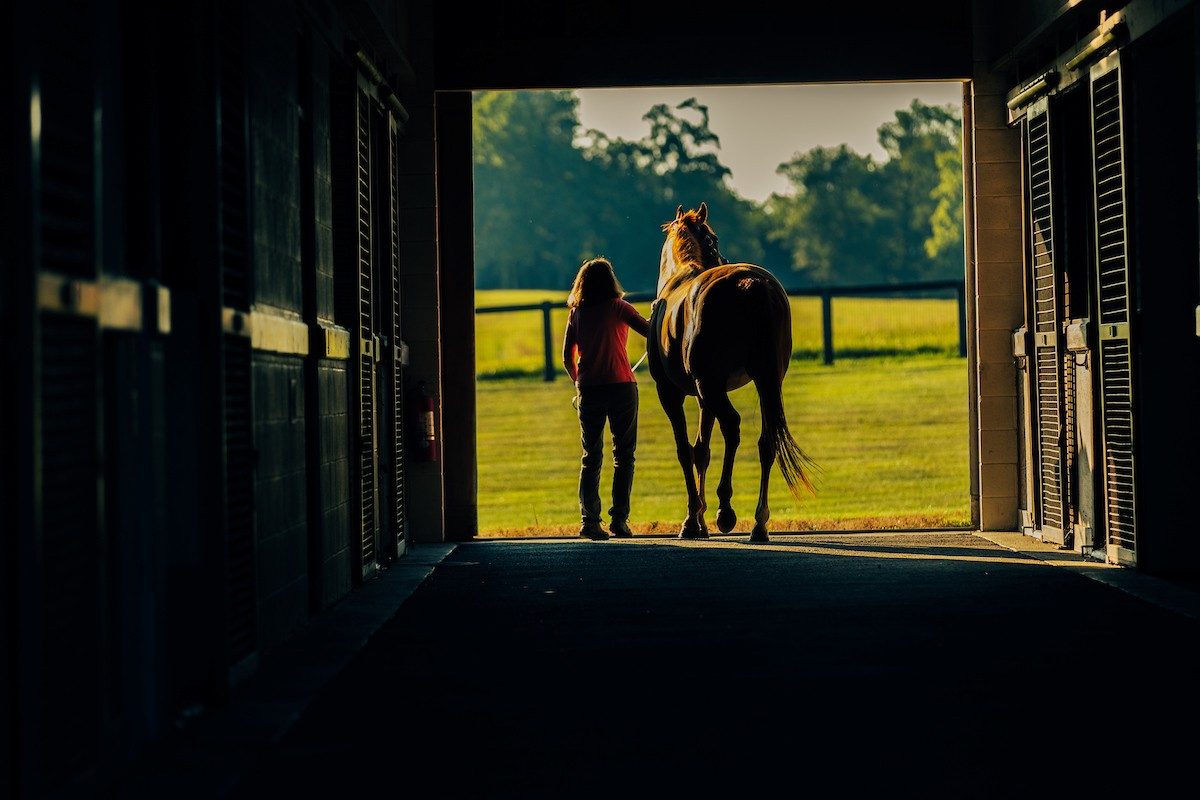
678,211
702,213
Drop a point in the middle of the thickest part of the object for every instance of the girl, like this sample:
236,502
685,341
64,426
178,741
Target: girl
597,329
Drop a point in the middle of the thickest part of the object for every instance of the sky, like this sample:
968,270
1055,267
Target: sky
761,127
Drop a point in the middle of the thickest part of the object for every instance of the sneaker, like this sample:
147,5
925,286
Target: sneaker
592,530
620,530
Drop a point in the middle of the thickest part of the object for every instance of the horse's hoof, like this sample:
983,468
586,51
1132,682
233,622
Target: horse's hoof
759,534
691,530
726,519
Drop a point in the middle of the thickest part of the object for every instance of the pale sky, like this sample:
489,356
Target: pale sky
760,127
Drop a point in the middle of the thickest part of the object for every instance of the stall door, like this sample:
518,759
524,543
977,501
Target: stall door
1113,294
1049,403
392,400
355,300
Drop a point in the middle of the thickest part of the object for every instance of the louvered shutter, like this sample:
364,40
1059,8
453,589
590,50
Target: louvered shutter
354,257
366,340
1113,294
396,401
241,596
1053,513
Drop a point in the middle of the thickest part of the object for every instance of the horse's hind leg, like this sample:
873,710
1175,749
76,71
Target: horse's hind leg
716,400
766,460
672,403
701,453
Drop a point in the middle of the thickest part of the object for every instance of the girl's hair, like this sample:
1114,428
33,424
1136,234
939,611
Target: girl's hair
595,283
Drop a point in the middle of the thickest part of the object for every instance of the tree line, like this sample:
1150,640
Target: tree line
549,195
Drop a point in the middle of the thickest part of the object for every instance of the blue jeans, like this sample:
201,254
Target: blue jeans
616,403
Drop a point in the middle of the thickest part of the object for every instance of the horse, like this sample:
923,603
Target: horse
714,327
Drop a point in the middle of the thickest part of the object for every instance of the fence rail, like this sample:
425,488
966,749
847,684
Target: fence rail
826,293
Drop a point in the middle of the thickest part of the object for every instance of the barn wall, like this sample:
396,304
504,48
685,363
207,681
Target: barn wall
1142,500
625,43
419,295
999,289
176,472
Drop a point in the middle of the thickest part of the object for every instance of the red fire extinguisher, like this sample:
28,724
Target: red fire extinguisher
427,444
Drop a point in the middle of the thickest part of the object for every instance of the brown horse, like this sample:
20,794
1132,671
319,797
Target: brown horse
715,327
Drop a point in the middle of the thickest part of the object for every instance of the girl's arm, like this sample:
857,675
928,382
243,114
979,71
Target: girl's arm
569,348
634,320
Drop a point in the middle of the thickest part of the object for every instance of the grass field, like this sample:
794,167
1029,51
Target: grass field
509,344
890,435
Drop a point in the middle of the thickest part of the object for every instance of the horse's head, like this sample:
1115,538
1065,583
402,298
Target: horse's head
691,244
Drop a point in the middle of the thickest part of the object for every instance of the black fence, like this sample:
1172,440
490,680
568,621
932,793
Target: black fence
825,293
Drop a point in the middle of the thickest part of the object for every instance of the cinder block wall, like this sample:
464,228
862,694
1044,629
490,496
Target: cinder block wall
333,560
329,559
279,496
998,280
279,428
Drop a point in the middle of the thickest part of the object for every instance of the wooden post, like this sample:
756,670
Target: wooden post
960,293
827,324
547,341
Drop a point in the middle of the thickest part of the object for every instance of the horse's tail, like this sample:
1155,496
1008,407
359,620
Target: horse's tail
794,463
775,352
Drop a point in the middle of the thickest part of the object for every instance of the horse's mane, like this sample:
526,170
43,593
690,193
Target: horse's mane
685,233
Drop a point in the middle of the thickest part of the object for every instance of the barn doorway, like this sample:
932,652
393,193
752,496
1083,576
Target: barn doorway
855,204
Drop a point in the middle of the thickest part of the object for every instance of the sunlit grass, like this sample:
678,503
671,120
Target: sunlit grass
511,344
889,433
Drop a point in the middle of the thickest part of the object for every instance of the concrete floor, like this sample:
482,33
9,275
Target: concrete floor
932,663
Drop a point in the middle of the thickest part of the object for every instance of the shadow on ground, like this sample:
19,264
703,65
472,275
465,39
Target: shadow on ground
937,664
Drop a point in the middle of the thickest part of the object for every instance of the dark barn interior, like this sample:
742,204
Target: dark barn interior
237,259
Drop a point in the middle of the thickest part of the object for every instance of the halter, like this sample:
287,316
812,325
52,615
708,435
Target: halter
710,251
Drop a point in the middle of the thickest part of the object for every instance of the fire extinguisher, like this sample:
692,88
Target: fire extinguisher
427,449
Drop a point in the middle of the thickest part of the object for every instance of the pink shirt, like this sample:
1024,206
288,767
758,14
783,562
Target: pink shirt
598,333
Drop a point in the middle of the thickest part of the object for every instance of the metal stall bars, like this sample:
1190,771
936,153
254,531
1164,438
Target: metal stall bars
397,354
1113,287
369,121
354,261
1052,423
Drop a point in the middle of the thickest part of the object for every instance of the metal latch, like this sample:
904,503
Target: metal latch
1019,341
1077,336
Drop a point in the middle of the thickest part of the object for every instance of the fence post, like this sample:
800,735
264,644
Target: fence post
827,324
961,293
546,341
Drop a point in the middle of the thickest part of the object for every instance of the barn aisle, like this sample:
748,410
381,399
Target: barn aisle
929,662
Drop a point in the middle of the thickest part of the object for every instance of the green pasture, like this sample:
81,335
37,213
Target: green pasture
889,433
510,344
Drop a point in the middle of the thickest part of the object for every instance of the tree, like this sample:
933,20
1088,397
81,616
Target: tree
852,220
676,163
548,196
915,142
529,176
833,221
945,243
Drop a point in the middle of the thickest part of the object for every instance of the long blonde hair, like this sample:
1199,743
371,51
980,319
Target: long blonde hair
595,282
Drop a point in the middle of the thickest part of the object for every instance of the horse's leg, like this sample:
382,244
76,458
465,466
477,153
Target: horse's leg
701,453
672,403
716,401
766,460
